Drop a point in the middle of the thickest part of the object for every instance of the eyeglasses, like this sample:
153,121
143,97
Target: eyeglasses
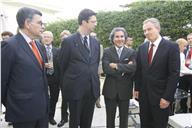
39,23
93,21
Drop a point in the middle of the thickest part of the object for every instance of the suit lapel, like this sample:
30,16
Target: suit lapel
123,54
145,53
82,50
159,49
114,53
27,49
92,48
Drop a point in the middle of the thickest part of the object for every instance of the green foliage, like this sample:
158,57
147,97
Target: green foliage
59,26
175,18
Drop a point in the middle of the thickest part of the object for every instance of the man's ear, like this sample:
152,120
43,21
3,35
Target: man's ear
27,23
84,22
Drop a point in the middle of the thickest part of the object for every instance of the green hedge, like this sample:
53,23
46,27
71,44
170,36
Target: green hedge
175,18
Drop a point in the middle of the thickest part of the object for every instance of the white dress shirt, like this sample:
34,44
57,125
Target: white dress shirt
156,44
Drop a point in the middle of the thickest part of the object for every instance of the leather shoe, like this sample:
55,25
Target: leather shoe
52,121
62,122
10,123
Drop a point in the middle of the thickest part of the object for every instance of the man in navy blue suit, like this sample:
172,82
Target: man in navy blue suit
79,61
24,83
157,74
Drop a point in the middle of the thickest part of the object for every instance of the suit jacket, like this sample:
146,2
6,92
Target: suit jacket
158,79
119,81
79,69
24,84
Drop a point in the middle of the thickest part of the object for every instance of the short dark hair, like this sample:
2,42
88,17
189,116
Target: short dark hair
5,33
117,29
85,14
26,13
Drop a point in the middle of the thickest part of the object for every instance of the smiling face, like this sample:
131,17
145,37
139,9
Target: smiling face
119,39
47,37
151,31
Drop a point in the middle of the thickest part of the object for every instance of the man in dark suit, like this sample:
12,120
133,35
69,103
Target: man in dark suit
79,61
50,64
119,66
24,83
64,106
157,74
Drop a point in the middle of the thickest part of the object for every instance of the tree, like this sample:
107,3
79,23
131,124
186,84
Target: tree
175,18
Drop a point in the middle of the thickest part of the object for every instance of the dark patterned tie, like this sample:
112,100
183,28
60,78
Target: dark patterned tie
150,54
50,71
86,43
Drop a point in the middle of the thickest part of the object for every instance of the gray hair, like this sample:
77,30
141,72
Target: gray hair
117,29
154,21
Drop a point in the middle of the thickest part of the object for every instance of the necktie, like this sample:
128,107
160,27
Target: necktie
86,43
188,58
36,53
49,54
150,54
50,71
119,52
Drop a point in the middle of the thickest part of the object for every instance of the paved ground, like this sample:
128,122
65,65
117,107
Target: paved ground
99,118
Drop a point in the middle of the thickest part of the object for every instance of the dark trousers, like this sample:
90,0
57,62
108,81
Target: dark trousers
41,123
54,94
64,107
111,106
81,111
152,116
185,83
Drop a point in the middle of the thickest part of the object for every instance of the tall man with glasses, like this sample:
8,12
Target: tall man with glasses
24,84
79,61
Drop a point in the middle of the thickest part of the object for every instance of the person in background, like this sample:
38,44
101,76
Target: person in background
129,42
51,53
186,80
79,61
184,70
5,35
182,47
64,106
157,75
24,88
100,70
119,65
64,34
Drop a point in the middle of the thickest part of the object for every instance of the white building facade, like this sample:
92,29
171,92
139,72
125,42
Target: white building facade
9,8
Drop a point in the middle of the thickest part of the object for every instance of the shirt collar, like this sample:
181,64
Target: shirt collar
27,39
48,46
84,36
118,48
157,41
